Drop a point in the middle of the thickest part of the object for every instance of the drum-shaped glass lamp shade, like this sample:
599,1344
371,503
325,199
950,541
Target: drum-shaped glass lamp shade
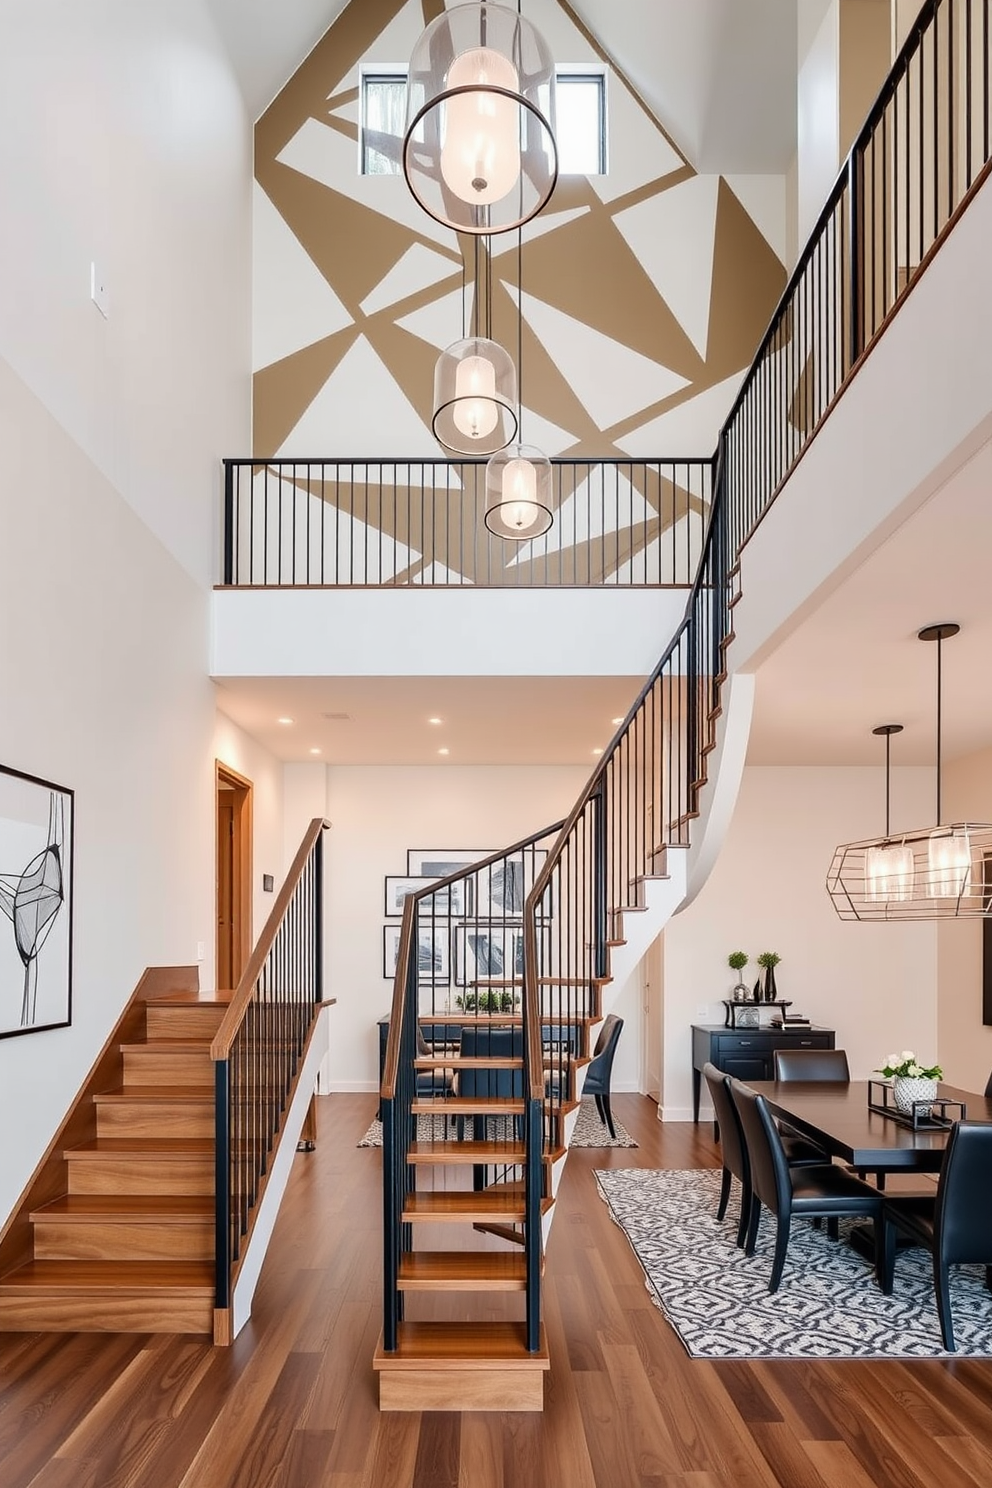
475,393
479,152
518,493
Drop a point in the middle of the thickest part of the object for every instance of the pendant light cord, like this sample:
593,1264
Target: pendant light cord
888,750
940,642
520,335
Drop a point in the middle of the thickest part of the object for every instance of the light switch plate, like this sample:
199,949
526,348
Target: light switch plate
98,291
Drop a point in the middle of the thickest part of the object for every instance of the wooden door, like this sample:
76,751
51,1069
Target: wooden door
234,930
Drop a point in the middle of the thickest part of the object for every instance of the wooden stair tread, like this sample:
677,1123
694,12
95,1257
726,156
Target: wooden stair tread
468,1105
447,1204
462,1345
189,999
76,1276
155,1093
453,1061
82,1208
142,1147
463,1270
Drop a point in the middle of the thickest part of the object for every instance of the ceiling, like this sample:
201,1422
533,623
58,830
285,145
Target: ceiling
856,661
485,720
719,74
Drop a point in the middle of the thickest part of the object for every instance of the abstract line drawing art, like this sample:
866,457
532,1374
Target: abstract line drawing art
36,829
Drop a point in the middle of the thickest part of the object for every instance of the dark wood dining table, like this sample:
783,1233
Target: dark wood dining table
837,1117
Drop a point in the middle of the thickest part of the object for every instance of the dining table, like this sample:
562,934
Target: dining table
837,1116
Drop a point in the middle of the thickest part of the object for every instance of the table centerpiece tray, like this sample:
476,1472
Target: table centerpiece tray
926,1115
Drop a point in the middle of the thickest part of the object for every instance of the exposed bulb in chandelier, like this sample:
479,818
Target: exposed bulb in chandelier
475,411
480,155
520,507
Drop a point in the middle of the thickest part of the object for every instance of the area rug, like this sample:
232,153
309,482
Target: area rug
589,1130
828,1305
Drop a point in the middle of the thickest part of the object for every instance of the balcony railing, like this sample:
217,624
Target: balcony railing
619,523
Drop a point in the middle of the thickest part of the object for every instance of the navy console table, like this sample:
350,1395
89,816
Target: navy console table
747,1053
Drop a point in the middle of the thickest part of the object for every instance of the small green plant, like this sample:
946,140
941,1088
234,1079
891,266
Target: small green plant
769,959
737,960
492,1000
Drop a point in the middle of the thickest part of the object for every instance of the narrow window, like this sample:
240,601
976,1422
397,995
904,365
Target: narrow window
383,122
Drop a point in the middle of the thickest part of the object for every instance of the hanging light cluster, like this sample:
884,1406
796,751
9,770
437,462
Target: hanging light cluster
479,155
941,872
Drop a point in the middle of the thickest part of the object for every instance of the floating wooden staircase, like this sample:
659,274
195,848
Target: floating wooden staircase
481,1364
116,1232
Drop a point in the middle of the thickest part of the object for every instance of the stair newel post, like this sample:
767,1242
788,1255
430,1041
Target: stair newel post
692,707
222,1183
600,848
390,1225
318,921
533,1244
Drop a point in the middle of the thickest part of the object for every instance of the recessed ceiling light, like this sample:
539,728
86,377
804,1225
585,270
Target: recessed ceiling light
616,721
444,751
597,751
435,720
315,751
285,720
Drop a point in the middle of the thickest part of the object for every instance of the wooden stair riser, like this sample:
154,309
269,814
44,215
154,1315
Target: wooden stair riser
156,1065
137,1118
124,1240
105,1312
461,1367
120,1173
184,1022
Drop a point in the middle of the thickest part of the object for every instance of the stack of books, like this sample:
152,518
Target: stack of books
791,1020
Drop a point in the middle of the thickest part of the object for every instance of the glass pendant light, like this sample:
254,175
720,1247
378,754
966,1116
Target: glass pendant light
941,872
475,381
479,152
518,493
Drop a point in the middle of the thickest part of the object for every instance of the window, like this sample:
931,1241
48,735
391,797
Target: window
581,135
383,122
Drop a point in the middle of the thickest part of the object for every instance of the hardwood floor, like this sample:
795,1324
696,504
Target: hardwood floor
293,1403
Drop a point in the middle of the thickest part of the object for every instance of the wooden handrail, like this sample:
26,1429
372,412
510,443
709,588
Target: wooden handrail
226,1033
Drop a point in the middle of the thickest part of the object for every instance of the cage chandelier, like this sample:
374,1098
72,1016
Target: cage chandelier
936,873
479,151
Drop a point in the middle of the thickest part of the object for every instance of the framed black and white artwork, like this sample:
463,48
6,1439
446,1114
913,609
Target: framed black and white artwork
36,822
433,954
439,862
447,902
502,888
486,953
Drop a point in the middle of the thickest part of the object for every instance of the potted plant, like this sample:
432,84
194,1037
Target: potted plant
737,960
768,960
912,1082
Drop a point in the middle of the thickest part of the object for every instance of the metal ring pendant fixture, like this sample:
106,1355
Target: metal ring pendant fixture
479,152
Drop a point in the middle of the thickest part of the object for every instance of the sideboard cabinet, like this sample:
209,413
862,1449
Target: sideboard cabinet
747,1053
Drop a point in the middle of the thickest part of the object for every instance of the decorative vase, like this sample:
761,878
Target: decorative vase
756,994
771,991
906,1090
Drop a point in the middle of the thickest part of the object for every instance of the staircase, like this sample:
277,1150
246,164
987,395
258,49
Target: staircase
128,1245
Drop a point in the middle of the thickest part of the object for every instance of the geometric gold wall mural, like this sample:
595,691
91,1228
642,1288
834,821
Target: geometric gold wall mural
645,290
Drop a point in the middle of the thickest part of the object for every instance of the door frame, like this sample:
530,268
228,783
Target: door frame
242,863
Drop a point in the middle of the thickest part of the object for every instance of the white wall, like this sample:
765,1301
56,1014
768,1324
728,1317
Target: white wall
124,141
236,749
964,1045
876,985
378,812
103,689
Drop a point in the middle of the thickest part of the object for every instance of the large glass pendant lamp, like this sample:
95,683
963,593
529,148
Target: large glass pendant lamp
479,152
941,872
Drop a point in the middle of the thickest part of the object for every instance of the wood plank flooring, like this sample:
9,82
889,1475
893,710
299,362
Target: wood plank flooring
293,1403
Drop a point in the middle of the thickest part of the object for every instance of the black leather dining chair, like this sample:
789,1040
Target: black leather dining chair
734,1151
812,1064
824,1191
599,1071
491,1043
956,1223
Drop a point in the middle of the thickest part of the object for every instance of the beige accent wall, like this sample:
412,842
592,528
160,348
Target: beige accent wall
644,291
964,1044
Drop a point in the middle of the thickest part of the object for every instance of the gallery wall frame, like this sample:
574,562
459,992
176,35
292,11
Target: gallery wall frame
448,902
440,862
433,954
37,830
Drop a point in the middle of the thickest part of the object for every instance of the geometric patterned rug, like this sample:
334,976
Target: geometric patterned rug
589,1130
828,1305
